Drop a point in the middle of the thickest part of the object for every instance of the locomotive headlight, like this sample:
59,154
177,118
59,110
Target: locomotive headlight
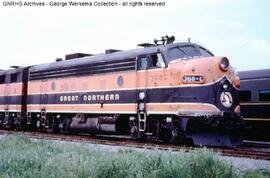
225,85
224,64
193,79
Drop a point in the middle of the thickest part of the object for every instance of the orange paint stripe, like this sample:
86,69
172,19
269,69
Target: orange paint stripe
174,107
10,107
86,83
125,108
13,89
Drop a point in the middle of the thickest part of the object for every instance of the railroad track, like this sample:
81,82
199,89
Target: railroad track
242,151
257,144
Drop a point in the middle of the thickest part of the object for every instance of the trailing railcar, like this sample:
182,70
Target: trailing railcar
255,102
13,97
169,91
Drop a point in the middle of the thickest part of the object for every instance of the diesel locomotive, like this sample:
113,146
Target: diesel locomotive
164,91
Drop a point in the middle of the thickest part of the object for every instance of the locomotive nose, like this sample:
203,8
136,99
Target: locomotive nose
226,69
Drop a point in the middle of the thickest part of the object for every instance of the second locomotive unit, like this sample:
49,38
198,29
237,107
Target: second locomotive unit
255,102
165,91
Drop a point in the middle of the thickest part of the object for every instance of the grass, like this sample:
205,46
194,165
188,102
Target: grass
24,157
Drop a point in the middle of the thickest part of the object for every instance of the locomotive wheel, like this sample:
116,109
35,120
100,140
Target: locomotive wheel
10,123
1,122
17,123
141,136
134,131
164,135
23,125
55,125
64,126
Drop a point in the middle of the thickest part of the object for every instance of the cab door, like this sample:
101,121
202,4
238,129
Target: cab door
6,96
14,85
6,101
142,82
144,66
43,101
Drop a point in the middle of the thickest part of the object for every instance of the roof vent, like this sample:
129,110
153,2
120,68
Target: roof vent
76,55
58,59
145,45
14,67
108,51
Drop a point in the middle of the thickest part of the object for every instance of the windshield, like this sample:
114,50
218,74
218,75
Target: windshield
205,53
187,52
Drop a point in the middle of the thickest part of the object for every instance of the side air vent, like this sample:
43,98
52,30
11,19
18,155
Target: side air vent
76,55
100,67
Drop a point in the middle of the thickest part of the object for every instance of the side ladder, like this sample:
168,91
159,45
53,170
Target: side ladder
142,116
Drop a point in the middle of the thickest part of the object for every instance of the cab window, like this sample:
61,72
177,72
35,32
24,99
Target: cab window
245,95
205,53
143,63
264,95
190,51
156,60
150,61
176,53
2,79
14,78
182,52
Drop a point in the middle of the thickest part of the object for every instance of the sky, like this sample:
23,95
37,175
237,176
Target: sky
236,29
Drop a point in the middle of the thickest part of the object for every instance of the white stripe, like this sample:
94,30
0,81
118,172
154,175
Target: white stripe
10,110
262,103
247,80
186,113
257,119
92,112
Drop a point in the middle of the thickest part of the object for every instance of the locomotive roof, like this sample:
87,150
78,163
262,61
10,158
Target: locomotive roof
106,57
12,71
254,74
